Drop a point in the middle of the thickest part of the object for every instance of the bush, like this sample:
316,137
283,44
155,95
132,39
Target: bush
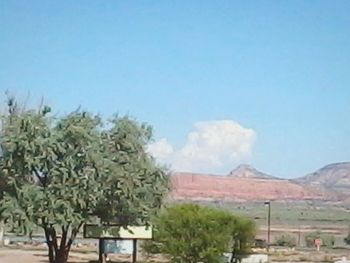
151,247
286,240
327,240
347,238
190,233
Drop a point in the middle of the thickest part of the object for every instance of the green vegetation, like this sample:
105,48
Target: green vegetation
286,240
243,234
294,217
290,213
59,173
347,238
189,233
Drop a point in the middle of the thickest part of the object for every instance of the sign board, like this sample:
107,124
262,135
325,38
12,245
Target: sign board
117,232
318,243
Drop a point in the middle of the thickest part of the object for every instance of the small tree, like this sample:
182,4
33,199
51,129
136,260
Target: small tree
190,233
59,173
243,232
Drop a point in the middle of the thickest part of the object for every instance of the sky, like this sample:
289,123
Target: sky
265,83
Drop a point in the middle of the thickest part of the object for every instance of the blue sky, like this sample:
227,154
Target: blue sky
268,81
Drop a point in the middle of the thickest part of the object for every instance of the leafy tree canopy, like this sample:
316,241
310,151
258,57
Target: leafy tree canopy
60,172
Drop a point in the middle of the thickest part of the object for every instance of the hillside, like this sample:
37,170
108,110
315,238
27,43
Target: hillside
245,183
242,184
333,177
247,171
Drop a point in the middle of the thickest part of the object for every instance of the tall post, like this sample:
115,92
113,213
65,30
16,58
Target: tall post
101,251
134,250
268,203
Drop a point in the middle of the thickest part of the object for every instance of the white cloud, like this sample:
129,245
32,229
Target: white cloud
160,149
213,146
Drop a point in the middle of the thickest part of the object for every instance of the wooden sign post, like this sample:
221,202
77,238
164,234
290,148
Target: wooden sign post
116,232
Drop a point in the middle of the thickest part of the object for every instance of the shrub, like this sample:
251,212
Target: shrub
347,238
286,240
189,233
151,247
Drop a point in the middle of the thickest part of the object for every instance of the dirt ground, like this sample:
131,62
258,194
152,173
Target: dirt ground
40,256
28,255
37,256
18,255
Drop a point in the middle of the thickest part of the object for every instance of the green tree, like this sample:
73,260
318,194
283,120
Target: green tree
243,233
7,218
59,173
189,233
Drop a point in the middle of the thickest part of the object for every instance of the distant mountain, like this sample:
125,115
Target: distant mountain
244,183
247,171
334,178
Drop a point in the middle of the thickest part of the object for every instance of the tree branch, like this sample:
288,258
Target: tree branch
48,241
64,238
54,238
75,231
41,179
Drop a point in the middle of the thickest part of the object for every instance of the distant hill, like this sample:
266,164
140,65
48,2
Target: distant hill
334,178
247,171
245,183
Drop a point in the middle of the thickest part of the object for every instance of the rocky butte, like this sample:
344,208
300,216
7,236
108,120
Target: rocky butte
245,183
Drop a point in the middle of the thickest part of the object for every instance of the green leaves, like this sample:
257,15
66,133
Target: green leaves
65,171
58,173
190,233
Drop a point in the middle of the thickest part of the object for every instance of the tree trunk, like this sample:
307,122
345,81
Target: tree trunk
58,256
51,253
61,256
30,236
2,230
234,256
59,253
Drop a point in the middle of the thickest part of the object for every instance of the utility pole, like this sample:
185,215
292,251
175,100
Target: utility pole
268,203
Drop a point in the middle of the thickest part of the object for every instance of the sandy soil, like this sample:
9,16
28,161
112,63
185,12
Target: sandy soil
37,256
17,255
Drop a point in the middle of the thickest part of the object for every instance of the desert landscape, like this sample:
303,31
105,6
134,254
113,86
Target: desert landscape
315,202
245,183
174,131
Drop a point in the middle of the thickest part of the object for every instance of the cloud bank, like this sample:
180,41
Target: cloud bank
212,147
